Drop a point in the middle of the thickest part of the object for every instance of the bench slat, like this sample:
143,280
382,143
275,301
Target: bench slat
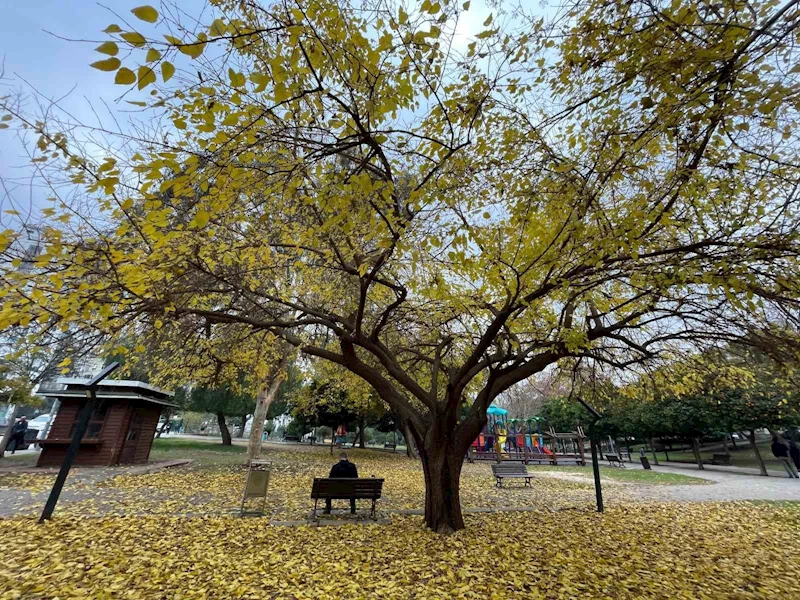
339,489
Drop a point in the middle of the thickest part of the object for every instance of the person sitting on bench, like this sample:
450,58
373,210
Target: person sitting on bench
344,469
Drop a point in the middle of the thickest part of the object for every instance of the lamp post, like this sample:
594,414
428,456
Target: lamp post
596,416
80,428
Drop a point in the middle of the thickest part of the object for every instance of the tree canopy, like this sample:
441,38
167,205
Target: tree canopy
441,218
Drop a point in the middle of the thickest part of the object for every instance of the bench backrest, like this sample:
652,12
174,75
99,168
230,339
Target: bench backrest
509,470
369,488
613,457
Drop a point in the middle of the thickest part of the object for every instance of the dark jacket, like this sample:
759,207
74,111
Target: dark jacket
779,449
343,469
19,427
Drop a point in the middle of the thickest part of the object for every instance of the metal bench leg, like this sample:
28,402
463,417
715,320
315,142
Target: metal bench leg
314,518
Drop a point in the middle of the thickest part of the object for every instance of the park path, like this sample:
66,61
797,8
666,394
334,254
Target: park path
728,486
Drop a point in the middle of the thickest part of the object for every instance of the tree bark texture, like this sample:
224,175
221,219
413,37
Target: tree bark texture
264,398
761,466
223,429
442,468
696,450
411,447
242,426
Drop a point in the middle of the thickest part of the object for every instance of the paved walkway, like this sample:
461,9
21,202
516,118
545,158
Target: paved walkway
728,485
78,486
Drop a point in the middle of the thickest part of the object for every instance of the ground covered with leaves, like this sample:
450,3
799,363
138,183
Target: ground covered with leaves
213,483
641,551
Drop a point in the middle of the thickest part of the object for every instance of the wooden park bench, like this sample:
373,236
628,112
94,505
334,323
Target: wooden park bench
291,438
346,489
615,460
501,472
390,445
721,459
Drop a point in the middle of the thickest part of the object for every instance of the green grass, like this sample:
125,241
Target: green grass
629,475
743,456
200,452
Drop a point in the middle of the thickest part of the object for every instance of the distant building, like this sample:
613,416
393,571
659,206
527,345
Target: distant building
120,430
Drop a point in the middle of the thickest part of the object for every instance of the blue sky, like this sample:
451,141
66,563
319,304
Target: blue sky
38,61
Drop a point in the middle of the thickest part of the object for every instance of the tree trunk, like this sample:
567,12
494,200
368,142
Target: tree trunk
442,468
362,424
242,426
411,447
696,450
264,398
733,441
761,466
223,429
167,419
653,448
7,434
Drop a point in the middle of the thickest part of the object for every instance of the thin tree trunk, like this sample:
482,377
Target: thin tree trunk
264,398
761,466
725,446
363,425
7,433
696,450
167,419
223,429
242,426
733,441
653,448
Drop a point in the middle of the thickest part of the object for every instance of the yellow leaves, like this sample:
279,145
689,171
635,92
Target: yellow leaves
109,64
201,218
218,28
113,28
402,16
134,38
192,50
146,76
125,76
109,48
167,71
146,13
237,79
152,55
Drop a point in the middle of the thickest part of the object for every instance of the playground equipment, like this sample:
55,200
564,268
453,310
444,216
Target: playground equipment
506,439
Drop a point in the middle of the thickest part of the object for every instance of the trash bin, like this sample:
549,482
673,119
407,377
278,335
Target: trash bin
645,463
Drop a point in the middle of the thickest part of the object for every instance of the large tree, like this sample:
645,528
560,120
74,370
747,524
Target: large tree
442,218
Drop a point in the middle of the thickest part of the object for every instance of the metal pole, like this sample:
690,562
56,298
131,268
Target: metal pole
72,450
596,416
595,467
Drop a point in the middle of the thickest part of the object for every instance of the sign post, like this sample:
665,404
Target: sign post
256,487
80,428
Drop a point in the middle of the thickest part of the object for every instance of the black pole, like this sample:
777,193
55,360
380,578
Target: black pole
595,467
596,416
77,436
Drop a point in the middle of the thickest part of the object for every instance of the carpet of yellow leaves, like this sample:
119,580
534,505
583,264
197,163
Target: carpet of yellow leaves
216,489
659,551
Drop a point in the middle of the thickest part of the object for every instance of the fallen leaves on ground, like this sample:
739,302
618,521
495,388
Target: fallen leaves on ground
213,485
659,551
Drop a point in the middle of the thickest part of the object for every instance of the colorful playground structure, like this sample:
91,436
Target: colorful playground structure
505,439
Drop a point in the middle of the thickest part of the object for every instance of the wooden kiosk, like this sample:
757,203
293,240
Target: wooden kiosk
120,431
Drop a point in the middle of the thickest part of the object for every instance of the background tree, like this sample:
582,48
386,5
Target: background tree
222,402
442,222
